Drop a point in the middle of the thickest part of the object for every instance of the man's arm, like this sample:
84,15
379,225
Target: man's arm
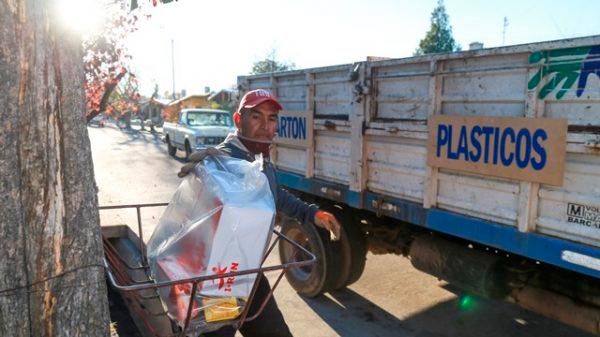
293,207
197,157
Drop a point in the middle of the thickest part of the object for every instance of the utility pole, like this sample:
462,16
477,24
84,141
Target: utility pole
504,25
173,65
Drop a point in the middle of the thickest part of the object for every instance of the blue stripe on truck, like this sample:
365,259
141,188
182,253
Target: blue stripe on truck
532,245
535,246
407,211
321,188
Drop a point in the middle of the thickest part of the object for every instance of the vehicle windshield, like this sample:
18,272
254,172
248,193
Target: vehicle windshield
201,118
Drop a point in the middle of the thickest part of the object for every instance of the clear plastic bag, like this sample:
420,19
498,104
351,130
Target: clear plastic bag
218,221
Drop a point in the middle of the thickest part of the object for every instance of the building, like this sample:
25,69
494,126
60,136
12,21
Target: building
171,111
225,99
151,110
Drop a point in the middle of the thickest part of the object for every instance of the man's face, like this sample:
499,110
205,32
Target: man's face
260,123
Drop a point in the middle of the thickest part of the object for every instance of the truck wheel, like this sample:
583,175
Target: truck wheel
344,250
315,279
351,247
356,244
170,148
188,150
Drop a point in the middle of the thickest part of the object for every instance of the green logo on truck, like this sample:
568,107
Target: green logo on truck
562,68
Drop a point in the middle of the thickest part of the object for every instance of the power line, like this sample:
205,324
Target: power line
504,25
9,290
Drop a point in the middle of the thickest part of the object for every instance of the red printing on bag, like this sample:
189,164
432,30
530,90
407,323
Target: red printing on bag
225,284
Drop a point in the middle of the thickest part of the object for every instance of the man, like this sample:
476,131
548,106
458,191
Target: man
256,123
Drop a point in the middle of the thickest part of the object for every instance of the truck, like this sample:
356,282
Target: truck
481,166
196,129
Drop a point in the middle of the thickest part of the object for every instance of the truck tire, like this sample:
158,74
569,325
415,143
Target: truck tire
352,248
357,245
315,279
170,148
344,249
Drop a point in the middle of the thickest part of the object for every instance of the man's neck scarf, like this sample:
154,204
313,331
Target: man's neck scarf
256,146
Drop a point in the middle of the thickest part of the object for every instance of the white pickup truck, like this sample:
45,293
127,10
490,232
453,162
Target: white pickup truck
196,129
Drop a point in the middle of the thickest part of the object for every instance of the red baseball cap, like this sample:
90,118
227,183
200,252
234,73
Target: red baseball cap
256,97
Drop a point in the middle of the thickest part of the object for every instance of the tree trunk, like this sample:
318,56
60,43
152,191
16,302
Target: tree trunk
51,278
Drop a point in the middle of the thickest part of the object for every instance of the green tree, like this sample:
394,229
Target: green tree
124,100
270,65
439,37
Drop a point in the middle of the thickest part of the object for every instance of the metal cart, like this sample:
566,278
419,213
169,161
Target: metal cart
128,272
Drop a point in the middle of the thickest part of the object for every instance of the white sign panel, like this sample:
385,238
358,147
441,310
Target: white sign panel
294,128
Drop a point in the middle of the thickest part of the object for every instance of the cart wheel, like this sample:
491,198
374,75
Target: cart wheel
351,247
319,277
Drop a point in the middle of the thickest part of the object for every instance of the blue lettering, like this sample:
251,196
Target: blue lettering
487,131
282,127
462,143
496,144
537,147
302,126
506,161
491,145
451,155
522,161
290,126
475,143
442,138
294,127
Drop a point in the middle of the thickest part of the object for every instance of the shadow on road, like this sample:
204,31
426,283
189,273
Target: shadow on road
146,136
352,315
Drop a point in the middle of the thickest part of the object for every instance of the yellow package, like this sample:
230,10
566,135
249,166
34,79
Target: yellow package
219,309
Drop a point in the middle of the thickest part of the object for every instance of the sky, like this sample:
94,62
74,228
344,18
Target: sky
213,42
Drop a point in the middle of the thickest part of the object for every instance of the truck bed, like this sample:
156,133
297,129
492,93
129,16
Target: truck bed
358,134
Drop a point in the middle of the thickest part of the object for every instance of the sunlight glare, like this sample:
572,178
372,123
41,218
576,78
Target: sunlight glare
83,16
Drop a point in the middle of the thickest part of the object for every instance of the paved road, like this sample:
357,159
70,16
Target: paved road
391,298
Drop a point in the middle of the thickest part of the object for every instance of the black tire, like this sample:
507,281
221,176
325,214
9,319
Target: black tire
345,251
170,148
315,279
188,150
352,247
358,248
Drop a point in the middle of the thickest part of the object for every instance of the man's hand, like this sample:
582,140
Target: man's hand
329,222
197,157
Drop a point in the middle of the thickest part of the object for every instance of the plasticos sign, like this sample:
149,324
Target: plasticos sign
519,148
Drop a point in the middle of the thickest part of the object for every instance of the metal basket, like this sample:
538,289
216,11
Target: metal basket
128,272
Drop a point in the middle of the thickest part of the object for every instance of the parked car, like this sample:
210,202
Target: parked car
98,121
196,129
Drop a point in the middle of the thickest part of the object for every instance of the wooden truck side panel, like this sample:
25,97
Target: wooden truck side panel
368,146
